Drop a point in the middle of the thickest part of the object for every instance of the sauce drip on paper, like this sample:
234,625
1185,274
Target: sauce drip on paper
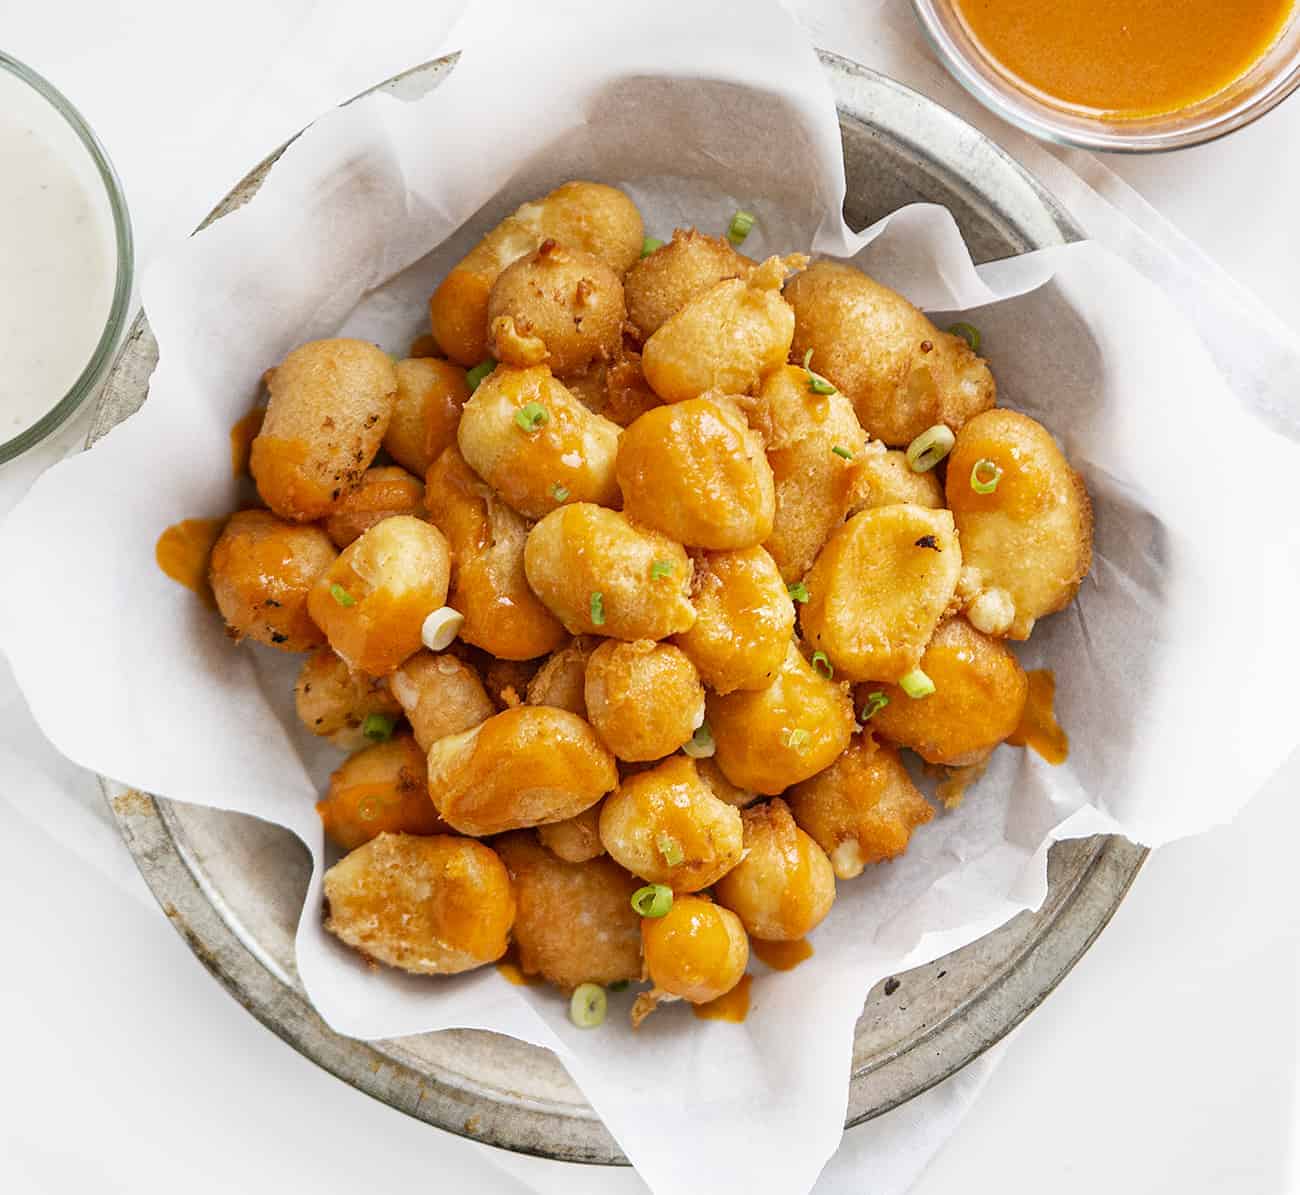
781,956
242,436
1038,727
509,970
1126,58
182,553
731,1006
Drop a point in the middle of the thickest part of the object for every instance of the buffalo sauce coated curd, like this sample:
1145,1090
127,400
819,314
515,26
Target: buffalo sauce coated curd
1126,58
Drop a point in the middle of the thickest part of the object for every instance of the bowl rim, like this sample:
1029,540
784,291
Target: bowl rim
1027,119
124,245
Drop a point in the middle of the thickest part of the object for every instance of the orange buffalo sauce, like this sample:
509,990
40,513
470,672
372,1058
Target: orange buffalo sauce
1126,58
1038,727
510,971
182,553
730,1006
781,956
242,436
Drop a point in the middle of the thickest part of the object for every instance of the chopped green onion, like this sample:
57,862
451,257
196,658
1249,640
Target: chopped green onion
796,740
649,245
532,417
669,848
916,684
739,227
969,333
985,475
798,591
559,492
478,373
929,448
700,745
378,728
821,662
661,568
654,900
619,985
844,452
875,703
598,608
818,384
587,1005
341,595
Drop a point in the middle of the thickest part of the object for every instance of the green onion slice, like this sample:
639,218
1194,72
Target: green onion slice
560,492
341,595
985,475
378,728
798,591
587,1005
844,452
929,448
739,227
816,383
654,900
669,848
875,703
532,417
797,740
661,568
478,373
649,245
969,333
916,684
700,745
598,608
821,662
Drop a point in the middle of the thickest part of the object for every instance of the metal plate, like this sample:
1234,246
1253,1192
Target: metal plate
915,1029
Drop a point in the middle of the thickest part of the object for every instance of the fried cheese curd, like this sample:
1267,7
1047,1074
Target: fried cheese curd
434,905
901,373
645,591
574,921
1027,541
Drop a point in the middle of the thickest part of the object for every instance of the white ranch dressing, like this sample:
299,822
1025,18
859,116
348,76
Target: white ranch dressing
57,256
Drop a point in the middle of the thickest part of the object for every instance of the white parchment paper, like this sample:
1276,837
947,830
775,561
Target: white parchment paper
1173,665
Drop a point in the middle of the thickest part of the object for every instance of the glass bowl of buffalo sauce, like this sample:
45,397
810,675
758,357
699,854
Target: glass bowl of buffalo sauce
1132,76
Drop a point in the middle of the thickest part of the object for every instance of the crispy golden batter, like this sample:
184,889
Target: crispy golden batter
507,681
331,401
815,447
502,615
381,789
743,620
660,285
432,906
558,307
261,571
334,702
561,680
440,695
373,600
575,923
979,695
589,217
862,809
772,738
627,394
522,767
576,839
383,492
725,339
644,698
784,887
888,480
900,372
697,952
666,826
879,588
720,786
1028,544
696,472
536,445
426,413
596,572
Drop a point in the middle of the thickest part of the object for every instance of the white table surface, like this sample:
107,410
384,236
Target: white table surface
1173,1045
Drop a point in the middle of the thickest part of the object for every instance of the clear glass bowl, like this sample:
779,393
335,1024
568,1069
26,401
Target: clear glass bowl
1263,87
95,165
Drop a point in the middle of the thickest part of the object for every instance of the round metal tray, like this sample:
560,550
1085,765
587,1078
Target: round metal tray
915,1029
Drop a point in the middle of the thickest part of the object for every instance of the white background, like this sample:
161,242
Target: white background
1175,1041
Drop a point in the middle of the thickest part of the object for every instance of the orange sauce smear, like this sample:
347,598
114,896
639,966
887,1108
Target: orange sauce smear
1126,58
182,553
510,971
242,436
730,1006
1038,727
781,956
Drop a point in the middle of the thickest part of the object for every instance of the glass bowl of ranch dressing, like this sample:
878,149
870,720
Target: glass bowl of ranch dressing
65,259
